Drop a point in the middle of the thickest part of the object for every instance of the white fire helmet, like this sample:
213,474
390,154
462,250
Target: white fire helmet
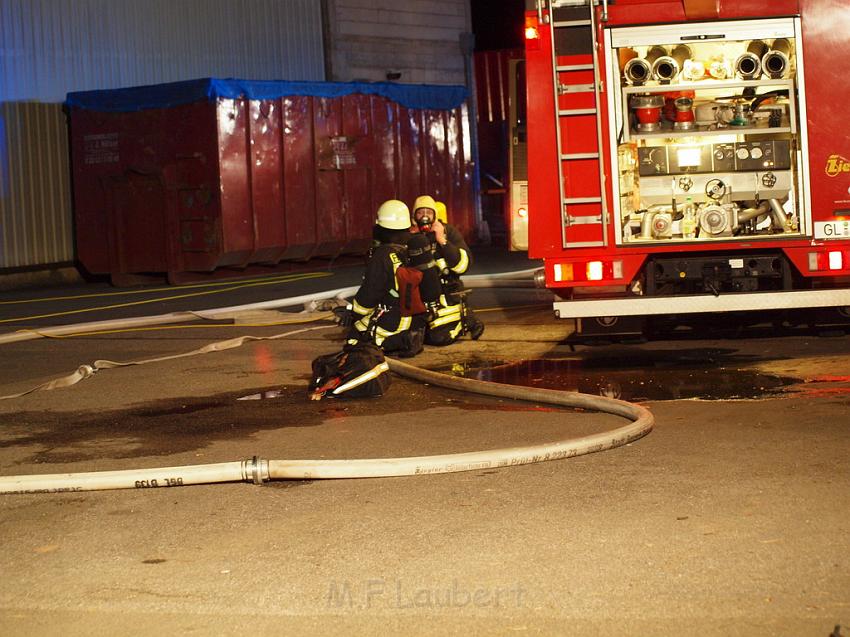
393,215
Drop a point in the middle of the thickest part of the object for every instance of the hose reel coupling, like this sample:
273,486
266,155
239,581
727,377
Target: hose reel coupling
255,470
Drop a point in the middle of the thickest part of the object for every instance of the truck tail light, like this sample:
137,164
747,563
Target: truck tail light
588,271
828,261
563,272
617,269
532,33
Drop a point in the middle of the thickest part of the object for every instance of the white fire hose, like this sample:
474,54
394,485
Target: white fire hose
518,279
258,471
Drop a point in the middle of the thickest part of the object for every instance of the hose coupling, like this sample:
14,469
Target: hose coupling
255,470
540,278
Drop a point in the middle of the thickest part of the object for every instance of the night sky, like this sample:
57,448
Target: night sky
498,24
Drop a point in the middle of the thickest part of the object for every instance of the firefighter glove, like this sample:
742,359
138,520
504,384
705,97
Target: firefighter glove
344,316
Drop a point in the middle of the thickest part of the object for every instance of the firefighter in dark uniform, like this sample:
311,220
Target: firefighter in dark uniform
374,314
451,317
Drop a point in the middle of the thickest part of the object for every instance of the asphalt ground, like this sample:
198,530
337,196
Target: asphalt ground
41,307
730,518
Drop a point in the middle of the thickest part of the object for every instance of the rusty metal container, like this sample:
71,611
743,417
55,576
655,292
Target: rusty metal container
206,174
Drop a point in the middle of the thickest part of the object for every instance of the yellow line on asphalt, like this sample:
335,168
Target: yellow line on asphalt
283,277
178,327
157,300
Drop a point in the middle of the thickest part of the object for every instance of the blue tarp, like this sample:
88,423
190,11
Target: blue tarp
137,98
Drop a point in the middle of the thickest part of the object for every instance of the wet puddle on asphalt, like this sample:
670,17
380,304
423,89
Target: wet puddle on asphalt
676,378
265,395
641,375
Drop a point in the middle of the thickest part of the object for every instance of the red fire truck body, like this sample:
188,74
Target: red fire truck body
689,156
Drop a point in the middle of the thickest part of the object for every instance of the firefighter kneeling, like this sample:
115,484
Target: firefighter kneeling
450,315
384,310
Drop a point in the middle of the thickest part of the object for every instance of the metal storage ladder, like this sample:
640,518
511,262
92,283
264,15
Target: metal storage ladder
595,214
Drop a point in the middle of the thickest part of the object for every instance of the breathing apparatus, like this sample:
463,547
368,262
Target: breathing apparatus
424,221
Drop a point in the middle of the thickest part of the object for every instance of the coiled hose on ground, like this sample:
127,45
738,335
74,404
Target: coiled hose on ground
258,471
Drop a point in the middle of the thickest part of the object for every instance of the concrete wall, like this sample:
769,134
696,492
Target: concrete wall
366,39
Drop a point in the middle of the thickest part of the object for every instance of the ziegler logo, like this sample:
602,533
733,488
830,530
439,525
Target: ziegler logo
836,165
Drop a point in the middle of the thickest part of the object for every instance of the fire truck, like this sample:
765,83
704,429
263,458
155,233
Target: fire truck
688,157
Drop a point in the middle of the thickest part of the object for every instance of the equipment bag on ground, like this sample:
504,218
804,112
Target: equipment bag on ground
358,371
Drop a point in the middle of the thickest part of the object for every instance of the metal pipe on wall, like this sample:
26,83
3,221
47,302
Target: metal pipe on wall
777,214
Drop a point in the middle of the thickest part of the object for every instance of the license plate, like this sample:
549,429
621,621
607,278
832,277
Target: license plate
832,229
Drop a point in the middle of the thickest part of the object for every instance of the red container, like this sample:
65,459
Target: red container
194,176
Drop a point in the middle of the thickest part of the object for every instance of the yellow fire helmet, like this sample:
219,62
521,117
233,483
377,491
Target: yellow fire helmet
424,201
440,209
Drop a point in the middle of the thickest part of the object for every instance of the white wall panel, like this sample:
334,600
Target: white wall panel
51,47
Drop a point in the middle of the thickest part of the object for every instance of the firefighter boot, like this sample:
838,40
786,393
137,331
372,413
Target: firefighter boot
414,340
473,325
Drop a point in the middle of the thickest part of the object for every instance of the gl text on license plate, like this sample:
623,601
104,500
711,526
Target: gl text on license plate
832,229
